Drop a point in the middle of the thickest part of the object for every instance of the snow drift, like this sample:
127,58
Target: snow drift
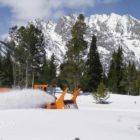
26,98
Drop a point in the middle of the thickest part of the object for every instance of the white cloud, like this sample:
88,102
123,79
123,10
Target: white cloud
58,14
24,10
30,9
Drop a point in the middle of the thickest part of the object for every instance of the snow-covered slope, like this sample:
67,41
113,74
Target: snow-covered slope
53,40
111,31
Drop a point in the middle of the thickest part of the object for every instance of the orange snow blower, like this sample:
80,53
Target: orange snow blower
60,103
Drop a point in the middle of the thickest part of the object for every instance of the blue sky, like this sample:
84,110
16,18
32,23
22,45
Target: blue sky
131,7
18,12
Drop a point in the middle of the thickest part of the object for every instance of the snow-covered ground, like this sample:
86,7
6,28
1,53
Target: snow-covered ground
119,120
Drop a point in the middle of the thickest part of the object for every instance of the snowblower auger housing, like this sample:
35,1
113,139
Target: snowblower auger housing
71,104
60,103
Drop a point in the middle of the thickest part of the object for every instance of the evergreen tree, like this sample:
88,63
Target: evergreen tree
48,74
52,70
45,74
104,78
112,76
131,75
116,72
101,95
94,67
138,85
6,63
74,65
6,74
29,53
67,76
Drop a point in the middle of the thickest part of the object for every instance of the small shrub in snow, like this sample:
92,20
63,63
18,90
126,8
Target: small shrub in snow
101,95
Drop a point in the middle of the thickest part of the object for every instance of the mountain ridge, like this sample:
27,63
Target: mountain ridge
112,31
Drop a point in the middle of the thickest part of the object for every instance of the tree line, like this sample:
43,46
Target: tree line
27,63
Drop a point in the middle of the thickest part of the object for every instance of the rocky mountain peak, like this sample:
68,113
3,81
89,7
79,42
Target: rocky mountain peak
112,31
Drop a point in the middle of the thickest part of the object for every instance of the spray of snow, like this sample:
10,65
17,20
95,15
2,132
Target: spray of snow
27,98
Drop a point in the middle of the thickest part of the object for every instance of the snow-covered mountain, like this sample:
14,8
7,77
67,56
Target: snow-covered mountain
111,30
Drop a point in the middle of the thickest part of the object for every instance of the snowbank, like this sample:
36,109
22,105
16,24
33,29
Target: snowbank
27,98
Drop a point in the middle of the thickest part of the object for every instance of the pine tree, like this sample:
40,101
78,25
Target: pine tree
29,53
74,65
112,77
45,73
116,72
138,85
94,67
48,74
52,70
104,78
67,76
101,95
131,75
6,74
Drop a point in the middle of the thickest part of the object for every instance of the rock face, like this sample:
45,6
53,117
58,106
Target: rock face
111,30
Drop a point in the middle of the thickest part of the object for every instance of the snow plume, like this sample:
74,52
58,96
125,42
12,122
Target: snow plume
27,98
